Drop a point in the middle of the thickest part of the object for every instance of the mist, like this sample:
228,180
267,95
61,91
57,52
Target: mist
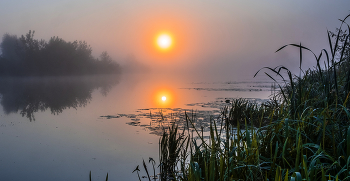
86,89
27,56
214,40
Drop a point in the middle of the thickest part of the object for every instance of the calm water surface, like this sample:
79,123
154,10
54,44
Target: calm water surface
61,128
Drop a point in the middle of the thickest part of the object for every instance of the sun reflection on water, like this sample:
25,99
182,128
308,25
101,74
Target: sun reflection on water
163,98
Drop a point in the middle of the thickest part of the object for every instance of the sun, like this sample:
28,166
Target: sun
164,41
163,98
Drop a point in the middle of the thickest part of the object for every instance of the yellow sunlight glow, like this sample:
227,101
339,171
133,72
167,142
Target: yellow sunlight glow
164,41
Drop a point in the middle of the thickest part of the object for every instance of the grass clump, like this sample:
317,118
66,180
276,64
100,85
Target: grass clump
302,133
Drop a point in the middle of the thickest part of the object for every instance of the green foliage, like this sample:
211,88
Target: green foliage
302,133
171,145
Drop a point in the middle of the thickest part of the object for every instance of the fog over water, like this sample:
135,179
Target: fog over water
61,122
212,39
60,128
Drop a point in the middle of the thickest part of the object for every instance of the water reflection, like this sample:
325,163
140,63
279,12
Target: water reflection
163,98
168,99
30,95
156,120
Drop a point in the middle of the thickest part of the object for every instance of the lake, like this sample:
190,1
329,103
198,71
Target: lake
60,128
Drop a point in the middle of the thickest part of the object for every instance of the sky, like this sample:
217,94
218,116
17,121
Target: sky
221,40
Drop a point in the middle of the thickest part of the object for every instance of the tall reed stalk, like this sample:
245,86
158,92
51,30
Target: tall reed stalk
302,133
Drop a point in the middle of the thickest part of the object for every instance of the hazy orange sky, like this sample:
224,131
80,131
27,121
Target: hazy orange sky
220,39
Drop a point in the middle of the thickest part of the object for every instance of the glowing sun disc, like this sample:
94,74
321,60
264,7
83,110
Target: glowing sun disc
163,98
164,41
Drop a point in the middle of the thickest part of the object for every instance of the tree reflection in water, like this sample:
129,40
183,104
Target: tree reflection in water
30,95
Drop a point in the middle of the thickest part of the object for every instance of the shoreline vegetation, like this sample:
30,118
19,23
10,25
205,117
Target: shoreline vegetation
302,133
26,56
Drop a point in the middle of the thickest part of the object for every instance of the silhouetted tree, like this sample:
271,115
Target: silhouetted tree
26,56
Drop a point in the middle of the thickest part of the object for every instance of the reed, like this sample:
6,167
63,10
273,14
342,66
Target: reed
302,133
91,178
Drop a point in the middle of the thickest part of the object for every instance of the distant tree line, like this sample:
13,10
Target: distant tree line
26,56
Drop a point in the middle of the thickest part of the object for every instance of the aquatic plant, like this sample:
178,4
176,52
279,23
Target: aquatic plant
171,145
302,133
91,179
